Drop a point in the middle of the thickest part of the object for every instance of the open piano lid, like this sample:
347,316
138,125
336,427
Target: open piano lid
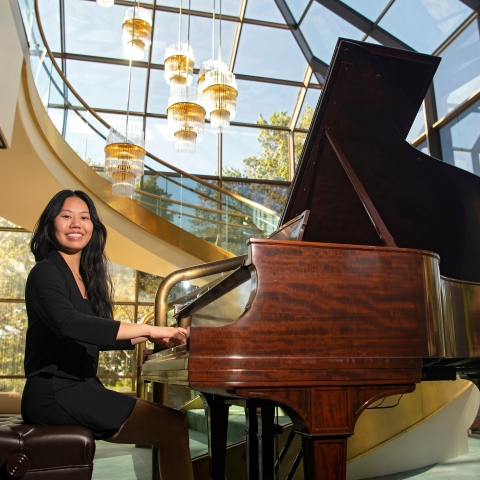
371,97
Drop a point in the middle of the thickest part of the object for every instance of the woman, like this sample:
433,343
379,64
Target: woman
70,319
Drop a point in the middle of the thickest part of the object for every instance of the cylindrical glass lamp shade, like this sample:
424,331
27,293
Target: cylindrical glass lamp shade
124,158
186,119
208,65
179,62
106,3
220,98
136,32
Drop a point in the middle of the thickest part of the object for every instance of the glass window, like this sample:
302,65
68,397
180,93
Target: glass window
308,108
458,75
105,86
367,8
279,57
424,24
255,153
158,92
297,7
123,278
418,126
262,100
299,139
322,28
94,30
271,196
13,326
266,10
423,147
160,142
16,262
49,15
461,140
166,33
147,287
229,7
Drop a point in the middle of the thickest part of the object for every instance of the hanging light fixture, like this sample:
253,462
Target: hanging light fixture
124,158
125,145
185,112
218,86
186,118
137,32
179,58
106,3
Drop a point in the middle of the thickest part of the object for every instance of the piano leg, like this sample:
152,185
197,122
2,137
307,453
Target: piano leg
216,411
324,457
266,438
251,429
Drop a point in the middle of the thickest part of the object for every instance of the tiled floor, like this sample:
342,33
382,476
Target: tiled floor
125,462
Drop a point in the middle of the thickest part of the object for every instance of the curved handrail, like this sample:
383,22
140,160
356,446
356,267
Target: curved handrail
150,155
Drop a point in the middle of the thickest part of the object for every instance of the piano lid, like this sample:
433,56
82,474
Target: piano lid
371,97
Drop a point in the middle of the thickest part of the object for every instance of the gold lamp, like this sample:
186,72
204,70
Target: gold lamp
124,158
219,90
179,62
186,118
218,86
136,32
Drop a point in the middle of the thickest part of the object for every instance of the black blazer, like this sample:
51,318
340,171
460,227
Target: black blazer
63,335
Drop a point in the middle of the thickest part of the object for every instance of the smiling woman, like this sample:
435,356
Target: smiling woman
68,299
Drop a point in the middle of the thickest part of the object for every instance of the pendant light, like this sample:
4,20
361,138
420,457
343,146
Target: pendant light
185,112
125,148
218,86
136,32
186,118
179,58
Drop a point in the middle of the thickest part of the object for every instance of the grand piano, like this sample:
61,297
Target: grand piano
369,286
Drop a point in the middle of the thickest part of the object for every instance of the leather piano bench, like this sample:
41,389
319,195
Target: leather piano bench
37,452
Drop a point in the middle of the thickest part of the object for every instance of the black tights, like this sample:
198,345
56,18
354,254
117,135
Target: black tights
164,428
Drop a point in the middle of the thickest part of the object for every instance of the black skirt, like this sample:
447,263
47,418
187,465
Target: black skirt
50,400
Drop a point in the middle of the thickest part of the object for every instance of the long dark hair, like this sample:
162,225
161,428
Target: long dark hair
93,261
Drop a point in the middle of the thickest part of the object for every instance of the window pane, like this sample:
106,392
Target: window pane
279,57
262,100
297,7
424,24
13,327
255,153
461,140
16,261
266,10
229,7
458,75
418,126
271,196
322,28
299,139
367,8
166,33
49,15
5,223
123,279
147,286
308,108
93,30
158,92
160,142
105,86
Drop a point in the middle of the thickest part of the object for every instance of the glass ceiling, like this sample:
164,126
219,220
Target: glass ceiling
267,43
